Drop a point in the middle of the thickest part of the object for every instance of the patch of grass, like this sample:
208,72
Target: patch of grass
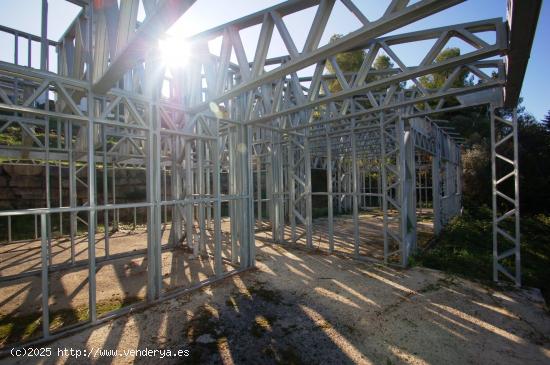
202,323
20,328
465,247
267,295
535,253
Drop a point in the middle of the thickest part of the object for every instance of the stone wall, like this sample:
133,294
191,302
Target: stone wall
24,186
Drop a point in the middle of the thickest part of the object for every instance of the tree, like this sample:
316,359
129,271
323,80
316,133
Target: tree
546,121
382,62
347,61
476,170
534,171
350,62
437,79
533,151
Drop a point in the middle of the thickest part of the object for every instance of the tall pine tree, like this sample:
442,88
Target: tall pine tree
546,121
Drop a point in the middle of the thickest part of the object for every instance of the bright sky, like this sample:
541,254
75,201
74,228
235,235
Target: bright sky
25,15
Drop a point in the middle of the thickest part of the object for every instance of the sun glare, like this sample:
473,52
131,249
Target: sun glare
174,52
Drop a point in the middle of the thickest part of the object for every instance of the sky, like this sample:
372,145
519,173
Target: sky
205,14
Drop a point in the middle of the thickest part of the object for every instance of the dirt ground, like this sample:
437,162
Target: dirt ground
119,282
305,307
124,280
302,307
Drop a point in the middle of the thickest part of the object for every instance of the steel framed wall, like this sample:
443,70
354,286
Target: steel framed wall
261,123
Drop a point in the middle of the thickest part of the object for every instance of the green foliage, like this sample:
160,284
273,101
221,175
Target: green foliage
17,328
476,170
534,154
382,62
437,79
352,61
533,150
546,121
10,137
465,248
347,62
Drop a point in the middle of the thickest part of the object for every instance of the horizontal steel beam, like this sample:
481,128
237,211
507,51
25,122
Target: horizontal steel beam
374,29
522,19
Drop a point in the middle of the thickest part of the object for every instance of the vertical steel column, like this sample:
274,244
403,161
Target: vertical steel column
105,190
291,190
175,188
393,175
379,186
510,170
189,219
201,194
247,193
233,191
208,189
281,190
330,197
402,192
349,186
44,39
164,213
384,186
215,152
45,287
355,194
307,192
91,175
276,184
92,215
259,189
72,191
436,194
116,217
250,217
269,185
339,183
60,190
154,275
409,195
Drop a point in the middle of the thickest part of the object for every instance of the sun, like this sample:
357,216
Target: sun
174,52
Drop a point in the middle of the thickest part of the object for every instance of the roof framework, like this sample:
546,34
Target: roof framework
264,124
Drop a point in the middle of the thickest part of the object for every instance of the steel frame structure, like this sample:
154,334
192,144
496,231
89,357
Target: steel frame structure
262,117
